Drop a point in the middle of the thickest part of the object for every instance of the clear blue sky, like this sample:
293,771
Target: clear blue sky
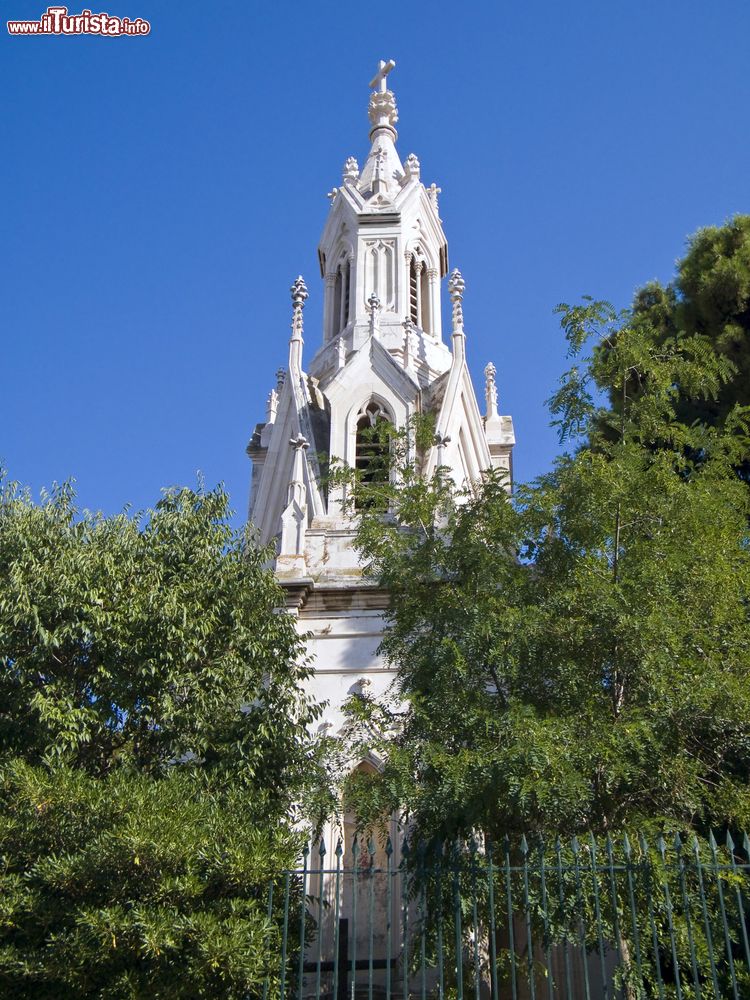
160,194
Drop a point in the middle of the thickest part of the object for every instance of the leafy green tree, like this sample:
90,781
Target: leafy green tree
710,298
575,657
153,750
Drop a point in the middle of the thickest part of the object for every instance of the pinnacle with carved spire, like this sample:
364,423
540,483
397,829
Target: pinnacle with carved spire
299,293
411,166
299,297
490,391
351,171
456,286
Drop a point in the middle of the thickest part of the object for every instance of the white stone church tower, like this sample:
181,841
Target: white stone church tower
383,255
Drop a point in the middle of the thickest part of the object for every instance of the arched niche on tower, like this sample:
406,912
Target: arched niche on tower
380,272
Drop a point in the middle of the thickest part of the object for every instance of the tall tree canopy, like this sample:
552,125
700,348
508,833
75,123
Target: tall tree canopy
153,749
578,656
709,298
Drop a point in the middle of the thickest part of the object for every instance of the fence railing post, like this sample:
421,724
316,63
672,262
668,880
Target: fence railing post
667,922
404,874
337,929
661,847
341,977
493,934
645,851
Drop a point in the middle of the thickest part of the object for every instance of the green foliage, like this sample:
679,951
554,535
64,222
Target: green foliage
576,657
125,886
153,750
709,304
633,918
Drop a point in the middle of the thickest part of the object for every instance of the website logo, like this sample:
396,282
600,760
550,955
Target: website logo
57,21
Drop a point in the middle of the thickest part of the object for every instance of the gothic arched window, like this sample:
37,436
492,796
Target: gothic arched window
372,452
341,295
424,300
414,291
336,311
419,292
347,292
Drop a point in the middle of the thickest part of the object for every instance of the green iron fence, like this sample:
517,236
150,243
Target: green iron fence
583,920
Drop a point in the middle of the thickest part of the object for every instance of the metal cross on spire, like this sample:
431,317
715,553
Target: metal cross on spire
379,80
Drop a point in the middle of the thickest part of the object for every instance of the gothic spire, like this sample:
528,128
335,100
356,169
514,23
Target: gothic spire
299,297
383,165
456,285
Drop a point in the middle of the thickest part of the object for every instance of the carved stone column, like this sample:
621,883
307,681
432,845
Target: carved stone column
330,282
350,266
434,305
419,267
406,284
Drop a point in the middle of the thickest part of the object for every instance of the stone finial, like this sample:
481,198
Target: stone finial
490,391
382,110
300,441
299,293
373,307
299,297
432,193
456,285
351,171
272,404
411,167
